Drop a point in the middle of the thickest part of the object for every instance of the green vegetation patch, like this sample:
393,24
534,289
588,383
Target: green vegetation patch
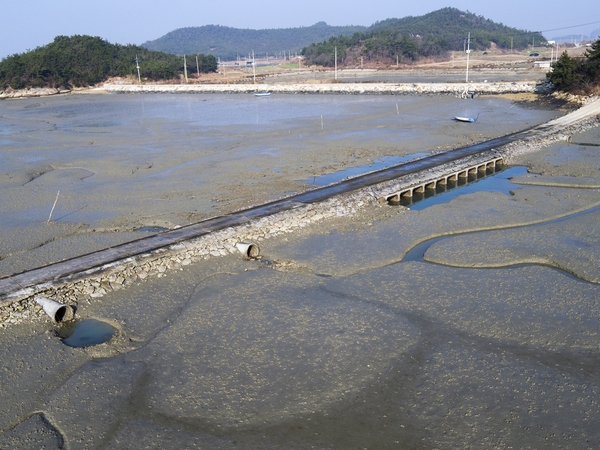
577,75
410,38
79,61
228,43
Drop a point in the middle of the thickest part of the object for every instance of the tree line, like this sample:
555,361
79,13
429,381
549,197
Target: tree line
79,61
411,38
577,75
228,42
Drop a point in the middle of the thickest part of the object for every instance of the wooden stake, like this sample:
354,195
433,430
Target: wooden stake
52,210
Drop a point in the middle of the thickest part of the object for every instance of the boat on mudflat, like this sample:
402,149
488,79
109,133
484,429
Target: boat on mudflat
466,119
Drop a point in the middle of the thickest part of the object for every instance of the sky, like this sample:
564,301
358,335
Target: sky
27,24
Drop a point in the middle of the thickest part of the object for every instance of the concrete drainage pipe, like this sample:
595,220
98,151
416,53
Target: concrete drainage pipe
57,311
249,250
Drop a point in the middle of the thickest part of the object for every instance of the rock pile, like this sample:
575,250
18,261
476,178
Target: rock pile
30,92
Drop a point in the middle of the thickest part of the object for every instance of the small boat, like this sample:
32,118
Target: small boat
262,94
466,119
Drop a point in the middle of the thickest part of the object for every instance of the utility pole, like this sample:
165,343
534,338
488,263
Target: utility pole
468,53
185,69
253,67
137,65
335,63
197,66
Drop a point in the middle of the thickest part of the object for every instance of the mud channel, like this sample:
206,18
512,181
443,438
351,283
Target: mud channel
333,340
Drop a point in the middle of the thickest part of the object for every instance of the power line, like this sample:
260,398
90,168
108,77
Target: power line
572,26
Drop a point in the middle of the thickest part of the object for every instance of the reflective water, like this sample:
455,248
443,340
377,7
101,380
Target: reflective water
85,333
491,181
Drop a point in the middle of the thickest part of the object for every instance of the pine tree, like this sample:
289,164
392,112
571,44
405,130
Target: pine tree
591,65
564,74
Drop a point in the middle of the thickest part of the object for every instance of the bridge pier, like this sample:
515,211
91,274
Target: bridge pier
476,171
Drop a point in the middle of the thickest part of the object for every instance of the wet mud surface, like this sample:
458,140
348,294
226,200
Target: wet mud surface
333,340
120,163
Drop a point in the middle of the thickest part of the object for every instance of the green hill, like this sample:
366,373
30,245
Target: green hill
410,38
86,60
227,42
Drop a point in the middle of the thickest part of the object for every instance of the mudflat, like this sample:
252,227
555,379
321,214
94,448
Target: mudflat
336,338
115,165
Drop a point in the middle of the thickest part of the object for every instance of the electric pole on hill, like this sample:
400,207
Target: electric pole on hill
335,63
185,69
137,65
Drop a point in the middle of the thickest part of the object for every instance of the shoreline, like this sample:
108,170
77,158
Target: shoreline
526,91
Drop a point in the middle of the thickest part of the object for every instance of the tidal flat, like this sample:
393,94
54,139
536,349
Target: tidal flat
333,340
117,164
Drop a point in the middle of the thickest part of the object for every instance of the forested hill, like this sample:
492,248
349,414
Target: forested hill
227,42
410,38
86,60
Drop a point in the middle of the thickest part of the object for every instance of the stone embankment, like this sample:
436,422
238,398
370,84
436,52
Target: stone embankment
31,92
459,89
95,283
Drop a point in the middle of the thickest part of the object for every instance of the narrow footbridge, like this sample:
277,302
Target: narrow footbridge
421,188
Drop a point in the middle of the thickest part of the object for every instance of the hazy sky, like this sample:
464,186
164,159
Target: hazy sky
27,24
